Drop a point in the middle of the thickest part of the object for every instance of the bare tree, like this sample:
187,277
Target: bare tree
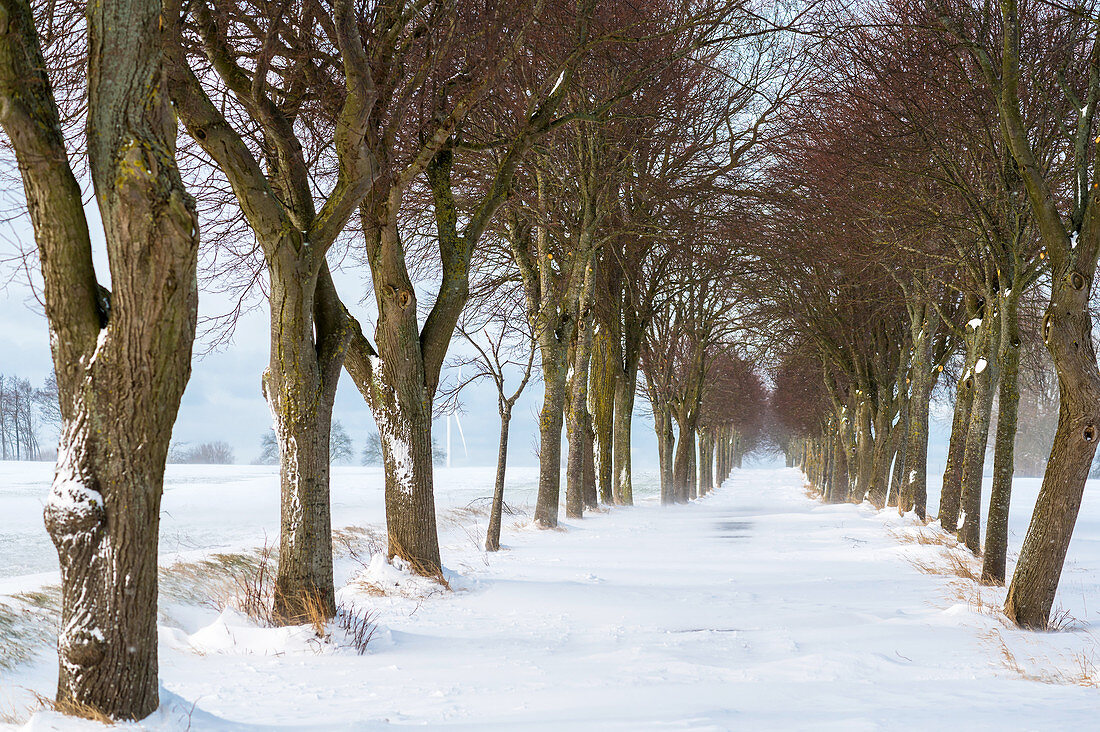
501,344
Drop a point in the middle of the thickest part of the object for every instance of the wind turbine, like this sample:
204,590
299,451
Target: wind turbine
459,423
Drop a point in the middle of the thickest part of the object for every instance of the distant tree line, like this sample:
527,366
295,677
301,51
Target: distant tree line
372,449
340,447
24,411
206,453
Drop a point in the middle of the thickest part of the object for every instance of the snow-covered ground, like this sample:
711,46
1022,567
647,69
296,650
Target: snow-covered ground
754,608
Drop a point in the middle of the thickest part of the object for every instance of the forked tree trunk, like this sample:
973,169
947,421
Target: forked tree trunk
1000,496
122,359
396,387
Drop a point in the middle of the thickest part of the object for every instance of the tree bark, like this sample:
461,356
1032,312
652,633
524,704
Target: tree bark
1000,496
300,386
122,358
914,492
977,436
579,428
626,387
1067,329
603,375
666,440
865,448
951,489
551,418
838,484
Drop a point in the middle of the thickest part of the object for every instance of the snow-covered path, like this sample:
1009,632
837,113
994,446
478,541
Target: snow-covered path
754,608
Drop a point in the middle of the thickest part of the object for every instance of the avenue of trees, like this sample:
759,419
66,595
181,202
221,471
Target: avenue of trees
939,229
781,225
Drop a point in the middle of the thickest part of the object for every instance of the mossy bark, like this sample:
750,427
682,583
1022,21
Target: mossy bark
122,358
1008,402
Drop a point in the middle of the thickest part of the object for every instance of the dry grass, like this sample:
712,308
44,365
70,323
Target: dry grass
1082,671
72,708
359,626
418,567
812,492
1062,621
28,624
244,581
313,614
951,563
925,536
358,542
10,715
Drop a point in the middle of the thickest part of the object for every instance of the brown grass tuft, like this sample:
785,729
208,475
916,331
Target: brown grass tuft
313,614
418,567
954,564
925,536
73,708
1082,673
1062,621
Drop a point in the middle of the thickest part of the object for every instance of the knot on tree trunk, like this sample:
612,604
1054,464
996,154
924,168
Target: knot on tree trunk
83,647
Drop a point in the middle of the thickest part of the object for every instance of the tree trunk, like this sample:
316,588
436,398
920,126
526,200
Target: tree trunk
603,377
580,443
865,449
897,476
300,393
400,398
951,489
492,536
693,467
977,437
625,388
662,425
551,418
880,458
682,463
838,483
1068,333
122,358
914,492
1000,496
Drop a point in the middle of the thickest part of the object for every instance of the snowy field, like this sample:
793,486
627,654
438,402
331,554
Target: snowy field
754,608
